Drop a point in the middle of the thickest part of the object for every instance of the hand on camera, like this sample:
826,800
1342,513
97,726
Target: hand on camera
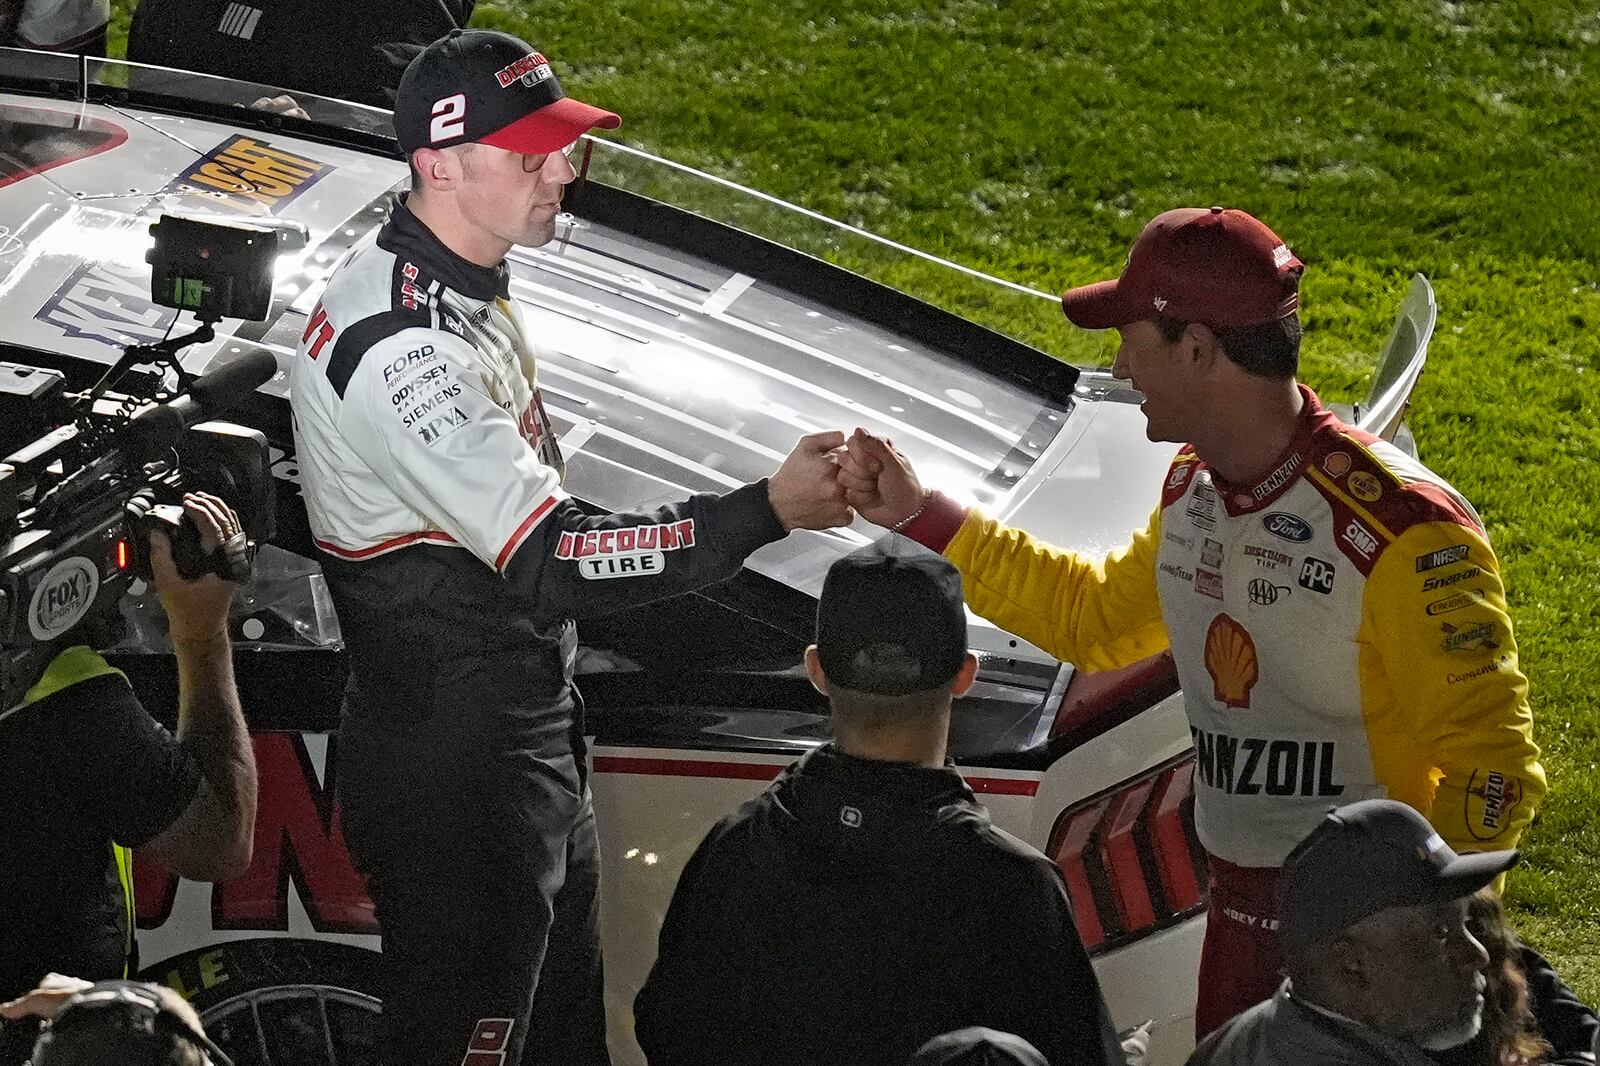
43,1002
197,610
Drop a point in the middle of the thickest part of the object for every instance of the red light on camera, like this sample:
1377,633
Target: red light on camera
121,555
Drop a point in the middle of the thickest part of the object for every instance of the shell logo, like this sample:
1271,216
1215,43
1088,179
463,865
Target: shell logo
1231,661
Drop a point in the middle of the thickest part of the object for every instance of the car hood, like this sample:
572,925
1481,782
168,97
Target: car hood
665,369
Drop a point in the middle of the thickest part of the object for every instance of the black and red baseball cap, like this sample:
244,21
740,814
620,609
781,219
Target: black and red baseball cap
489,87
1215,265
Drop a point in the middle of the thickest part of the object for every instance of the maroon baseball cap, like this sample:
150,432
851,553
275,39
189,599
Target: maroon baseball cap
1213,265
490,87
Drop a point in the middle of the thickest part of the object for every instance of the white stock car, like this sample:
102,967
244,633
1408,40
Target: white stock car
679,354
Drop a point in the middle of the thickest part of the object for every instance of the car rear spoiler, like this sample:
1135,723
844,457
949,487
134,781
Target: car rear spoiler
1399,363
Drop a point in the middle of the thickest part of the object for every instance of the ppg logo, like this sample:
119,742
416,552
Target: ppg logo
1316,575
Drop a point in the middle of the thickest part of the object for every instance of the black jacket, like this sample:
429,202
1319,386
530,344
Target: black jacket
1568,1023
855,910
1565,1020
348,50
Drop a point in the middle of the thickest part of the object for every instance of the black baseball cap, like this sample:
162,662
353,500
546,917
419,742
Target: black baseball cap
492,88
898,593
1367,857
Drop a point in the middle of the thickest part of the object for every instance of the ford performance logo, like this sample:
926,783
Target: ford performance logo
1287,527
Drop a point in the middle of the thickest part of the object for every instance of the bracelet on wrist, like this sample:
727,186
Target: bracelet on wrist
927,498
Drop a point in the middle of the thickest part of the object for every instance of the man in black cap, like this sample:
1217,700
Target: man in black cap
1382,967
457,564
864,903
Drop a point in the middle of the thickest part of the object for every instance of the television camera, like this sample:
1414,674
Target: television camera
112,462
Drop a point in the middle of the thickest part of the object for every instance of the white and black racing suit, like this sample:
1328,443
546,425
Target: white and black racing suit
457,565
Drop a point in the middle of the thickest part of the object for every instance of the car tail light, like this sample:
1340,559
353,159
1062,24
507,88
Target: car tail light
1130,857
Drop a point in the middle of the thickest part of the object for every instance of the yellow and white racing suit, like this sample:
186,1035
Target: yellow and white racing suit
1340,632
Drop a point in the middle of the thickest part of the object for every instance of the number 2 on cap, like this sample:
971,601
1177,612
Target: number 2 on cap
449,118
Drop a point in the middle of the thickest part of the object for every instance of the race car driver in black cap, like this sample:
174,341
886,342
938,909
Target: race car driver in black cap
457,563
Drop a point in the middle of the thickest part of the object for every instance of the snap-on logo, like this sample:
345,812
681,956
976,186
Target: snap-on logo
62,597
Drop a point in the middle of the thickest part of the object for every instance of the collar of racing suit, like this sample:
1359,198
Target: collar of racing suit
1314,419
406,236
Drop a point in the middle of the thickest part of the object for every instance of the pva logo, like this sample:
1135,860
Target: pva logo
62,597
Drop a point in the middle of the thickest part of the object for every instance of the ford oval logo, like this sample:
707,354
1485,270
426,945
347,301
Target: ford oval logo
1287,527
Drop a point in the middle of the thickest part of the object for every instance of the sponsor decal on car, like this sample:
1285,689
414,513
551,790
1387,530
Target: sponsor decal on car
1443,557
1432,584
299,842
100,303
1361,539
1286,526
109,304
1479,635
1456,601
1208,583
247,173
1264,593
1317,575
1269,558
1230,658
1365,486
1251,766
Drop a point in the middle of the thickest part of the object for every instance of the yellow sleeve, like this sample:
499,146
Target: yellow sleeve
1445,699
1095,615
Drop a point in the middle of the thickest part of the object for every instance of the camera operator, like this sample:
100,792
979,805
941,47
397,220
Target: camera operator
86,773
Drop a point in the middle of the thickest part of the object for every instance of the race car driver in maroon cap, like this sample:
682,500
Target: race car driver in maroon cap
1333,608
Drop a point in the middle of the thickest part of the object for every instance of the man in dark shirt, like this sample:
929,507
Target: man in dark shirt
349,51
864,903
86,773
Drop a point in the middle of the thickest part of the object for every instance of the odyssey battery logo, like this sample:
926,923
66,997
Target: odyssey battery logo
632,551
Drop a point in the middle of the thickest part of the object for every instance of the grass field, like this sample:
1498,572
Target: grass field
1380,138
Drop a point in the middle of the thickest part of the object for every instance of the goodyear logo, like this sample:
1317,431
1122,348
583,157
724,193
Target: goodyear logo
247,173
